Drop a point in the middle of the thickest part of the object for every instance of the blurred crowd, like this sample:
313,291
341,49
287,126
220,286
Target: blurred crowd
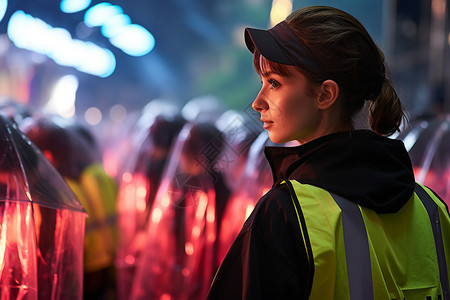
155,197
157,202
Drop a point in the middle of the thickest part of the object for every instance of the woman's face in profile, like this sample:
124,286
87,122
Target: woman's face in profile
288,106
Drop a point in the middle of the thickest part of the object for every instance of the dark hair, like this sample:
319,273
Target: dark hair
204,144
164,129
351,58
70,153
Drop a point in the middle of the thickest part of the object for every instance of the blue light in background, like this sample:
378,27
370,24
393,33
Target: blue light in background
35,35
97,15
114,25
132,39
73,6
3,6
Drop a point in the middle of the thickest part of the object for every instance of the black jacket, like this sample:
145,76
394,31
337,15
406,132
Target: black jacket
268,259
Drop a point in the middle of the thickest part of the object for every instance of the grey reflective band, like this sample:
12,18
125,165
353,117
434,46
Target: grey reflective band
433,214
357,252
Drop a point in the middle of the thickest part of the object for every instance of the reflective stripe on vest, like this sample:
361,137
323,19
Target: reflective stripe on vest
359,254
433,214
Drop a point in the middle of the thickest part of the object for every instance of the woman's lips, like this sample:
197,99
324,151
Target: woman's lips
267,124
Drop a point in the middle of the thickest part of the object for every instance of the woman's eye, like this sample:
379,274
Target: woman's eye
273,83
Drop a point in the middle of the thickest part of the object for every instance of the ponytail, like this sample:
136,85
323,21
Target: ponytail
386,113
351,58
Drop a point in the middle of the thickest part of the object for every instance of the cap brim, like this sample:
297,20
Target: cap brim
266,45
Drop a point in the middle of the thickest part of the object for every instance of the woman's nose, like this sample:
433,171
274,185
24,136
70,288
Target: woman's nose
259,104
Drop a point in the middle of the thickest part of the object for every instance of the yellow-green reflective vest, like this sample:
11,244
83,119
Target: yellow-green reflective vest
361,255
97,193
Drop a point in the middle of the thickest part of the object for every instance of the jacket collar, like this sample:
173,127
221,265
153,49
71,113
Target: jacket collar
359,165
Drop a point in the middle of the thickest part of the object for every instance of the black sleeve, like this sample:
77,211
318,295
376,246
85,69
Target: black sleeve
268,259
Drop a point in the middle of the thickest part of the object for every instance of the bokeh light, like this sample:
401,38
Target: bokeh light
33,34
93,116
3,7
132,39
73,6
280,10
62,101
118,113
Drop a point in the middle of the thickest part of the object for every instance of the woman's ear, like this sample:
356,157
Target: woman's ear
328,94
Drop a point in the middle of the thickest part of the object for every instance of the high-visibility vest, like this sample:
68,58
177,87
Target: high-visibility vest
361,255
97,192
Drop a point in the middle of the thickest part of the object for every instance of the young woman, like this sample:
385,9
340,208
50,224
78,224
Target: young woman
344,218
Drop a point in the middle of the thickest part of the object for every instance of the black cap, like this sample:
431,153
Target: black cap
281,45
266,45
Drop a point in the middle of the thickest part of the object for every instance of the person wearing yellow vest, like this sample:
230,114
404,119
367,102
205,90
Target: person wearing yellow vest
75,158
345,218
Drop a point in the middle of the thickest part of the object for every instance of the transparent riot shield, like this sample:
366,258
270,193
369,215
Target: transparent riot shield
428,145
137,189
256,180
122,138
74,154
41,224
181,239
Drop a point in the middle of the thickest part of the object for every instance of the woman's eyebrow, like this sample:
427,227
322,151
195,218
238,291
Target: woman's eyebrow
266,73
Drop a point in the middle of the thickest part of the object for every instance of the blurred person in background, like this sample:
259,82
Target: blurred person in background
205,108
255,180
154,154
238,131
122,138
77,161
180,247
345,218
137,190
